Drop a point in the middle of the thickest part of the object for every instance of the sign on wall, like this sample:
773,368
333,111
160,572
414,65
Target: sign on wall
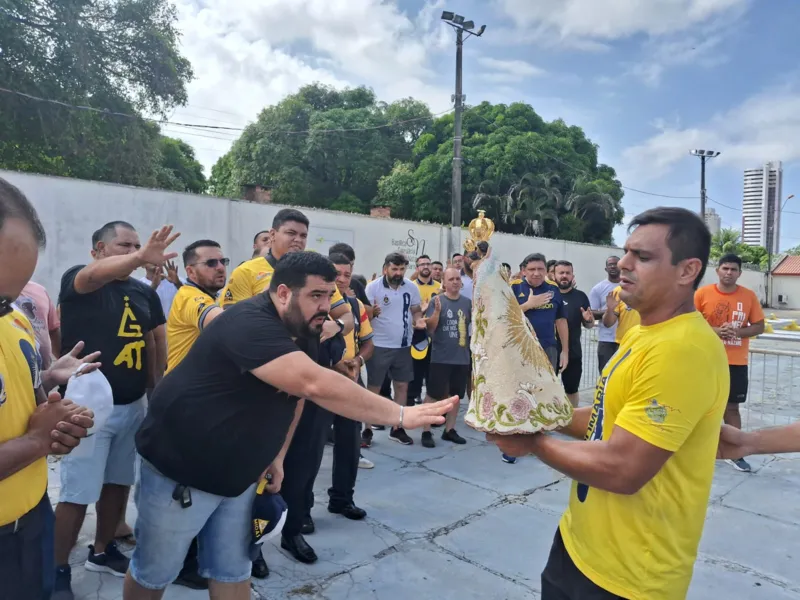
412,246
322,238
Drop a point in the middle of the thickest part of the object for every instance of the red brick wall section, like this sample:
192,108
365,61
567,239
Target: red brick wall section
382,212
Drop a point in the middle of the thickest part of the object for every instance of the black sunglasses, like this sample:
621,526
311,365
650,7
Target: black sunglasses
211,263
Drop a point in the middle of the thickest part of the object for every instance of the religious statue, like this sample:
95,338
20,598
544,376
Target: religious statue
480,230
514,387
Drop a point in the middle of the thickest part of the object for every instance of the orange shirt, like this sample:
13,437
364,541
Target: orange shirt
740,308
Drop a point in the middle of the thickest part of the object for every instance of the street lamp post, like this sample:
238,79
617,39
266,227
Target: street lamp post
704,156
461,27
770,243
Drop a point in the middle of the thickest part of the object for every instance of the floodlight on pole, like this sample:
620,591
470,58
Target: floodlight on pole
462,27
704,156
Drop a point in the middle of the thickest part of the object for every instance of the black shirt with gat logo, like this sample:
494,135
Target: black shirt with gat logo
114,320
212,424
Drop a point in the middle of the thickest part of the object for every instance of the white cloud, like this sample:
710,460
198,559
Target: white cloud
508,70
248,55
764,127
607,20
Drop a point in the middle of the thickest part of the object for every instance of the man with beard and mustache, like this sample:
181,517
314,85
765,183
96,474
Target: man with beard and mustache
578,312
420,350
225,414
400,302
606,336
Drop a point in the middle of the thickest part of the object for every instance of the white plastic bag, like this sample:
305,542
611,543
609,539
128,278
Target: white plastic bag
92,391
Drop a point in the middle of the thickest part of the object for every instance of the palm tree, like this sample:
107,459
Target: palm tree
725,241
536,201
584,199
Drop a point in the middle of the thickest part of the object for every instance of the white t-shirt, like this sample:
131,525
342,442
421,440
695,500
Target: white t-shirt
597,299
466,286
394,327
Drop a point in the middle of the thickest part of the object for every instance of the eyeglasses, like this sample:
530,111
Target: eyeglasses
212,263
6,305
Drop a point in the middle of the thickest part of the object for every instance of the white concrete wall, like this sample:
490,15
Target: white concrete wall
786,285
72,209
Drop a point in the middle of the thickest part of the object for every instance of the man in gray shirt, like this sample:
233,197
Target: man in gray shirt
606,336
449,317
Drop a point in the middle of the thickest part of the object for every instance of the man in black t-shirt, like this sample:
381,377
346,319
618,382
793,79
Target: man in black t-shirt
578,311
226,413
103,306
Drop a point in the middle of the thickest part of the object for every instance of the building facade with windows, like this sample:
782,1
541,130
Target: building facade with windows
761,206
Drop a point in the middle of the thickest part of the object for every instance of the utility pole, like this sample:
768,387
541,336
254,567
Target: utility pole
461,27
704,156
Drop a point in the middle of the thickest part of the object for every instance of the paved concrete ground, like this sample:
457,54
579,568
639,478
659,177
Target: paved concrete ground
463,525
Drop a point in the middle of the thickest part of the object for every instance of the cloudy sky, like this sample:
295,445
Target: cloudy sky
646,79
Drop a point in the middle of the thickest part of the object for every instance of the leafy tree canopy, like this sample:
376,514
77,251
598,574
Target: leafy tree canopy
729,241
115,55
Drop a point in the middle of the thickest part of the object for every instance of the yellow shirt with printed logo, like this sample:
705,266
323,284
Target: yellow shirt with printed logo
253,277
189,307
19,376
428,290
364,333
667,385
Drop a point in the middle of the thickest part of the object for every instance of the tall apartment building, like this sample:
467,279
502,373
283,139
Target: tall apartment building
713,221
761,206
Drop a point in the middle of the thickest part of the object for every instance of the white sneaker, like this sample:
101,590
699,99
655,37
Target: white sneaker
363,463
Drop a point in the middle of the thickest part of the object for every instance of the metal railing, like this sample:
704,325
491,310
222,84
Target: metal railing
774,374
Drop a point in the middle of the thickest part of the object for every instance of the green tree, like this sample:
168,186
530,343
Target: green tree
729,241
180,170
116,56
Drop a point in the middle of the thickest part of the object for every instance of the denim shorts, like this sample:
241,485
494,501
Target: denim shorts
164,532
112,461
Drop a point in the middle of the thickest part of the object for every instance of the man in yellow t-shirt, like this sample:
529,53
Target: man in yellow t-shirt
420,344
289,233
642,476
195,305
619,312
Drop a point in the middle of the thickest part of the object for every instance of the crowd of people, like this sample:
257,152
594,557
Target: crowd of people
227,388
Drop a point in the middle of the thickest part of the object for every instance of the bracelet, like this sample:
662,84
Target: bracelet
400,424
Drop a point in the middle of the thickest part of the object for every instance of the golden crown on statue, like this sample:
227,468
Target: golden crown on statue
481,229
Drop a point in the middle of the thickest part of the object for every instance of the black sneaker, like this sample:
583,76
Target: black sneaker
112,561
379,427
259,570
62,587
740,464
451,435
427,440
400,436
366,438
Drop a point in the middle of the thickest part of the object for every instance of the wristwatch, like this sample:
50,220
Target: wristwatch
340,323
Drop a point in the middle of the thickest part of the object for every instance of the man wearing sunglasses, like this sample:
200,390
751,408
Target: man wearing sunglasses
194,308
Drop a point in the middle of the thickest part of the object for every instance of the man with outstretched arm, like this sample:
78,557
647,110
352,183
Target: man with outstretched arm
225,414
642,476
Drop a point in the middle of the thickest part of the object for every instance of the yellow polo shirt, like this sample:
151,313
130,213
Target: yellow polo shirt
428,290
253,277
667,385
20,374
627,317
189,307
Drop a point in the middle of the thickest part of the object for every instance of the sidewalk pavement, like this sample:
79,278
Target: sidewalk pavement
463,525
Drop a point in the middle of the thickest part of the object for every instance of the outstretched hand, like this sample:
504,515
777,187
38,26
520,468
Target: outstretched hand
154,250
66,366
428,414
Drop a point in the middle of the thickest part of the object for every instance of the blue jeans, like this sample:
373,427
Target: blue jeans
164,530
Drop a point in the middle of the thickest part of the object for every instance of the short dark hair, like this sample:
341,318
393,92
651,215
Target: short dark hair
474,255
730,259
108,231
289,215
189,253
14,204
421,256
338,258
563,263
395,258
614,256
535,257
688,235
293,270
361,279
255,237
551,263
456,254
342,248
437,262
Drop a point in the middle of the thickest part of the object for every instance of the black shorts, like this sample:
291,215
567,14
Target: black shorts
27,565
562,580
571,376
447,380
739,381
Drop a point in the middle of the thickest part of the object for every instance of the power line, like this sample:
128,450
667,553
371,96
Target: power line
107,112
